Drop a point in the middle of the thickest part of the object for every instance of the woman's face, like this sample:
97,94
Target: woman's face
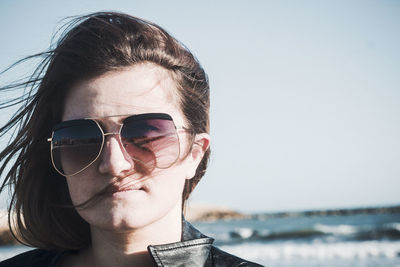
143,88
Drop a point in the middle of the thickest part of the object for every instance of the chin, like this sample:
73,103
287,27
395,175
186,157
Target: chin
124,214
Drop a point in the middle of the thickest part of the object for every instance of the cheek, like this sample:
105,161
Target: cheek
75,191
168,184
80,189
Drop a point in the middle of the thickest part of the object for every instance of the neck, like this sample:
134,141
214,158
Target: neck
129,247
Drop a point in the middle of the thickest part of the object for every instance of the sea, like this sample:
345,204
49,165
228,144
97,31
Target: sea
364,239
311,240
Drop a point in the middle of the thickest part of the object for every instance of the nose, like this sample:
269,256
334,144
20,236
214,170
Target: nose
113,158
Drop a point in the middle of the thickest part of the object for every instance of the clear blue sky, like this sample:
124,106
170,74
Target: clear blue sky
305,94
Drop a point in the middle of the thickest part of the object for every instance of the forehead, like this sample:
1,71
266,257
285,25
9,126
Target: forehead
142,88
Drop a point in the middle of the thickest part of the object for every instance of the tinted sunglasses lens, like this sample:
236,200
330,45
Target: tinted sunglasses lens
151,141
75,145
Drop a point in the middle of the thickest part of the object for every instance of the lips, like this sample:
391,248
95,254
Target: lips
124,188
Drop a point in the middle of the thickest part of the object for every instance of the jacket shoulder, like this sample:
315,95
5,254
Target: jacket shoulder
32,258
221,258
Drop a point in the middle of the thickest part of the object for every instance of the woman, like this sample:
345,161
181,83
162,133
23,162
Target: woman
113,138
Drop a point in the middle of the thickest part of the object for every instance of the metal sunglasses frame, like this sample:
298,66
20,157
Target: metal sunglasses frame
105,134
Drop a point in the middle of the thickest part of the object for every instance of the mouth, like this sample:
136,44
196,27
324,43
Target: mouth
123,190
126,188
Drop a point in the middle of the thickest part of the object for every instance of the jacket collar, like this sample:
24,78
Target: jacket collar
193,250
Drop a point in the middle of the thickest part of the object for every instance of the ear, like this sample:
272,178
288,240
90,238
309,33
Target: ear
199,147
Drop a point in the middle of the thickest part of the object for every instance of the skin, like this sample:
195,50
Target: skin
123,224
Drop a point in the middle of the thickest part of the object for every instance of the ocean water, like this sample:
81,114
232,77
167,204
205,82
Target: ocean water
347,240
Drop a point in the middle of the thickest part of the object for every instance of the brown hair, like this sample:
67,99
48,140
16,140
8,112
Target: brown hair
89,46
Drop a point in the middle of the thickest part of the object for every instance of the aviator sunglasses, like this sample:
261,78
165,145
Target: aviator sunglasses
151,140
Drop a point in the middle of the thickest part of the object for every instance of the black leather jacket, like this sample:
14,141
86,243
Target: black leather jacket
194,250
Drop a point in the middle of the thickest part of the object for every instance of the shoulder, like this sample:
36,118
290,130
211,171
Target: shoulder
32,258
221,258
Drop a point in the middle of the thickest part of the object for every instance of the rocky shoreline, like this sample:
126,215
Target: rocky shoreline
6,237
209,213
330,212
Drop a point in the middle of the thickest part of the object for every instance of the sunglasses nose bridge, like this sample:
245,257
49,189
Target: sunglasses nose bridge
117,134
118,138
113,157
112,133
